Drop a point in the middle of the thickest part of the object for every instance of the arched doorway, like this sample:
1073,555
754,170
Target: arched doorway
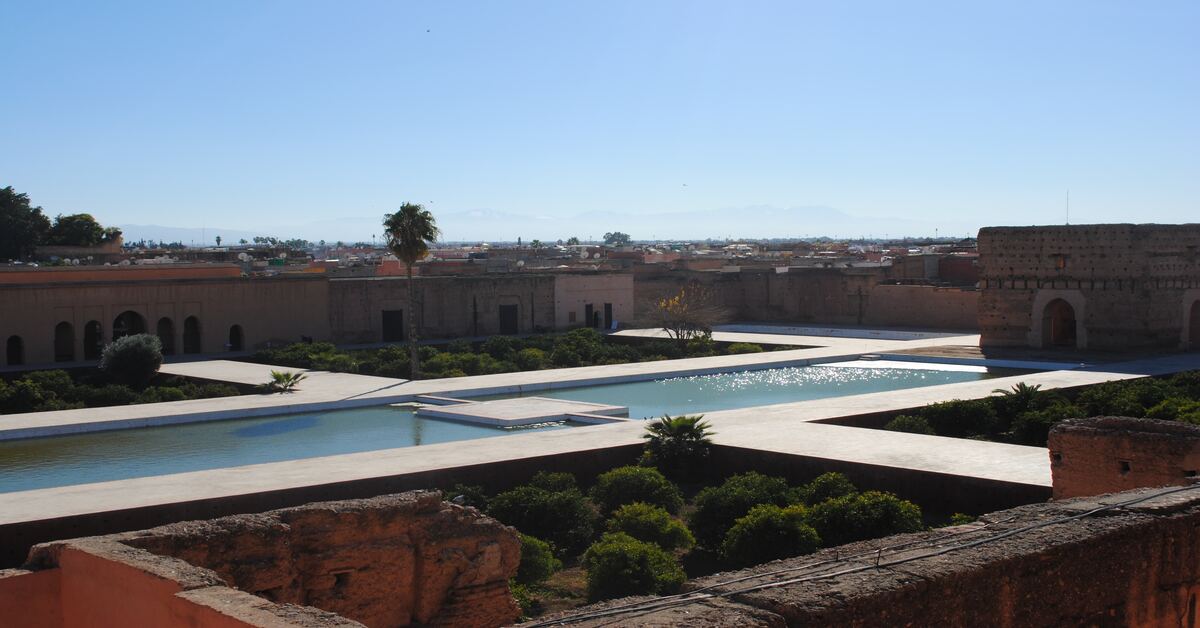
128,323
14,351
93,340
165,330
191,335
64,342
1059,325
235,338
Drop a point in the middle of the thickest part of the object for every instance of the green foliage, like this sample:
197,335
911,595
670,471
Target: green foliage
652,524
78,230
537,561
867,515
564,518
678,446
531,359
132,360
283,381
1176,409
958,519
40,391
1013,401
739,348
769,532
529,603
616,238
909,423
619,565
22,226
718,507
828,486
502,348
961,418
459,346
467,495
1033,427
625,485
554,481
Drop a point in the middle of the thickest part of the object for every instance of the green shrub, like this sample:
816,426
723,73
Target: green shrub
619,565
566,357
862,516
160,394
132,360
563,518
651,524
678,446
209,391
961,418
1033,427
766,533
426,353
531,359
554,481
585,342
24,396
459,346
56,382
718,507
529,603
537,561
502,347
335,362
625,485
1172,409
828,486
739,348
909,423
467,495
110,395
700,347
958,519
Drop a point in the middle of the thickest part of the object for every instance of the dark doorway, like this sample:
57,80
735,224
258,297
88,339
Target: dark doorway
128,323
93,340
508,318
393,325
608,321
165,330
1058,325
64,342
589,315
191,335
236,342
14,351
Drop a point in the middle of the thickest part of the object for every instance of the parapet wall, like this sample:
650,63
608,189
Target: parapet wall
1039,565
394,560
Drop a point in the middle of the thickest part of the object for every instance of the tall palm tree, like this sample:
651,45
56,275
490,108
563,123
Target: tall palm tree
409,233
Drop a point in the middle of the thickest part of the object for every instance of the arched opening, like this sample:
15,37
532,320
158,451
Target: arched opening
191,335
235,338
14,351
1058,325
165,330
1194,326
128,323
64,342
93,340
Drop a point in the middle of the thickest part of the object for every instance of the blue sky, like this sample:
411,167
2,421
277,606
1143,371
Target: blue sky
551,119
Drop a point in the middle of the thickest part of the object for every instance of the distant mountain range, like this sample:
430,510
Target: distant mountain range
497,226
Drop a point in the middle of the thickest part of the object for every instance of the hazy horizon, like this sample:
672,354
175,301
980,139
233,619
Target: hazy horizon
549,120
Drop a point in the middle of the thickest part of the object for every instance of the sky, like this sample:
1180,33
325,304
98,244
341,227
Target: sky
553,119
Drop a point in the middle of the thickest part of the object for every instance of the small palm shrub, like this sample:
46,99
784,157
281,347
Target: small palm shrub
619,565
769,532
625,485
283,381
651,524
678,446
132,360
537,561
718,507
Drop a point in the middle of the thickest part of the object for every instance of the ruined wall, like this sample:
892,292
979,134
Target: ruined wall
394,560
1110,454
1137,565
450,306
923,306
573,292
1131,285
266,309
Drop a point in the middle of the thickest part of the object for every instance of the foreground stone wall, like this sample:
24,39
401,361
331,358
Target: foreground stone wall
1137,565
394,560
1109,454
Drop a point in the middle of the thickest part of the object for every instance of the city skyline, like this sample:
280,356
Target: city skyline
543,121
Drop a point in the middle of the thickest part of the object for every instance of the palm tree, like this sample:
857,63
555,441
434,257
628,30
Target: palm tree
409,233
678,446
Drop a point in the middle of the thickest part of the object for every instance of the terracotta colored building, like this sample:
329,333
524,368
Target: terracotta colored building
1107,287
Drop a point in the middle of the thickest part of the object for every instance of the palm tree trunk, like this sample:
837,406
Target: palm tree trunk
414,366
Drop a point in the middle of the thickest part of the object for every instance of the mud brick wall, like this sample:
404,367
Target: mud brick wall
1135,283
1133,566
1110,454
